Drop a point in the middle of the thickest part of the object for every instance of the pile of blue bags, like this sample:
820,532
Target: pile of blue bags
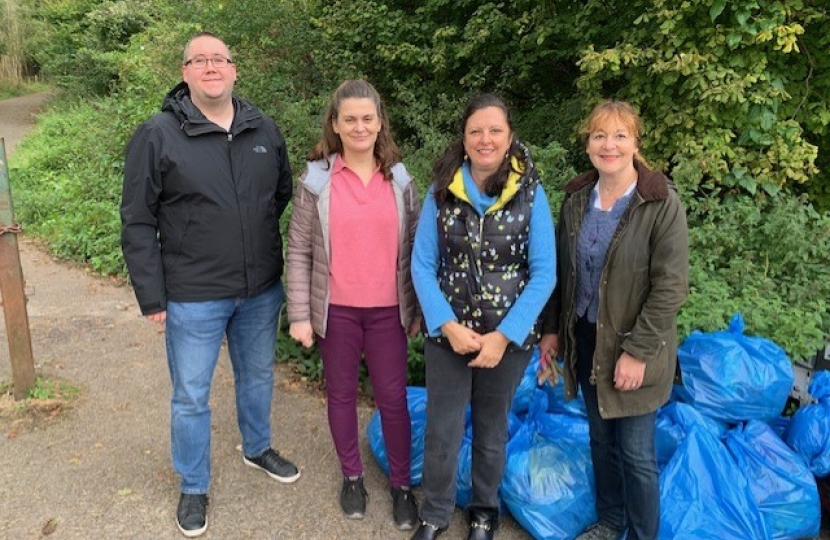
731,467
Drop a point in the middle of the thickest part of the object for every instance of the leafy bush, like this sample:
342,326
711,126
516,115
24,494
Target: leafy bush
734,96
771,261
67,183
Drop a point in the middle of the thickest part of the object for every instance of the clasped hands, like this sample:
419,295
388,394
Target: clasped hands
463,340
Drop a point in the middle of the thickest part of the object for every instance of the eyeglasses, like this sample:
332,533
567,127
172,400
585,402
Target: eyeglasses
201,62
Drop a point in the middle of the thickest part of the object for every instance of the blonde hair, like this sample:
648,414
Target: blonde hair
614,111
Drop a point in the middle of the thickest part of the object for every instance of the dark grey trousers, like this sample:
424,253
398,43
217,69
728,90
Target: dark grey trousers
451,385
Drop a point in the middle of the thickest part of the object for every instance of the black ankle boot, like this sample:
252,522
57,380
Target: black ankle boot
483,524
427,531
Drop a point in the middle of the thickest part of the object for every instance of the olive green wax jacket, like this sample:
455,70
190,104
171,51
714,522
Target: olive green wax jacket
643,284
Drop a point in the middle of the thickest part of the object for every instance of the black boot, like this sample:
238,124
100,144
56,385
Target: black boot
427,531
483,523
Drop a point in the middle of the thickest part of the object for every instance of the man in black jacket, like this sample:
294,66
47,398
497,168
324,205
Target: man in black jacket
205,183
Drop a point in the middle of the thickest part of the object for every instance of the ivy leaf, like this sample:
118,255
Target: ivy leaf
716,9
748,183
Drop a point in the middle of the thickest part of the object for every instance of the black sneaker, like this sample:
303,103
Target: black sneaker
274,465
404,508
353,498
191,516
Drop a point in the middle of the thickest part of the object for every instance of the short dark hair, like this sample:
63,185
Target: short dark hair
194,38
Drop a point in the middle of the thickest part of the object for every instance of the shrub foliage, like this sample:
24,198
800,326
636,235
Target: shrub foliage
734,96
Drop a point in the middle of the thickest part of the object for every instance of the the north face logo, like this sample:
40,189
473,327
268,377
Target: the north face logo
260,150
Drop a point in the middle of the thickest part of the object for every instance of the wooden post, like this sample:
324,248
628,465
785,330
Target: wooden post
11,288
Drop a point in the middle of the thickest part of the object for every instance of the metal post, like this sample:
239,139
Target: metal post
11,288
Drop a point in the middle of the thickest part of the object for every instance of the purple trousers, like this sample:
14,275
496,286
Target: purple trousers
376,335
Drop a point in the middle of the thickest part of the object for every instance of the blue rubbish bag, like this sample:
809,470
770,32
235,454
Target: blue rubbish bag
416,400
556,398
464,472
674,421
782,485
556,393
548,483
780,425
704,496
523,396
732,377
809,431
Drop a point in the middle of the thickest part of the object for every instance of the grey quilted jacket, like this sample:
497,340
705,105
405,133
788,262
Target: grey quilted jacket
309,247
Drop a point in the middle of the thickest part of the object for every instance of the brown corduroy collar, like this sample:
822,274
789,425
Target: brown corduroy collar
651,185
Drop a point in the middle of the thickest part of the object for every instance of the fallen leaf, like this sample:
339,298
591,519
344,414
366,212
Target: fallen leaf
49,527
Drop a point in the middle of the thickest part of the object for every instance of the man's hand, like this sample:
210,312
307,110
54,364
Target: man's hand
158,318
414,328
548,349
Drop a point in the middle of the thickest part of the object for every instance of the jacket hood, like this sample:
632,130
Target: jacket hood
193,122
178,102
318,174
651,185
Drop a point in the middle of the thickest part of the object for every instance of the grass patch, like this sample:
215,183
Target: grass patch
8,90
47,401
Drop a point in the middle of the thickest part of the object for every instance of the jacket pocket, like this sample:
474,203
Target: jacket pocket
657,369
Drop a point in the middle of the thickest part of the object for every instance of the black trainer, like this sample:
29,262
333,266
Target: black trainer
191,516
274,465
353,498
404,508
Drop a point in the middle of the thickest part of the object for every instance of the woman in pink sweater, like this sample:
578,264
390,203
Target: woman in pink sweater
348,283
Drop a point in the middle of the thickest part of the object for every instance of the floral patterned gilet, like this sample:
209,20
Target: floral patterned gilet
484,259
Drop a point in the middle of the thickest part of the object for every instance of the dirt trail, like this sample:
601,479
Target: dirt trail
103,470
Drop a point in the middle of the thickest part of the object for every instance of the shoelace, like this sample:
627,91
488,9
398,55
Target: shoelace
353,485
195,504
273,460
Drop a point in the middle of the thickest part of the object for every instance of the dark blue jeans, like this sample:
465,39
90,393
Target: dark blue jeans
451,385
623,452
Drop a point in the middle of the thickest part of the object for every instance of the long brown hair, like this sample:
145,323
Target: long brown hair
386,151
620,111
445,168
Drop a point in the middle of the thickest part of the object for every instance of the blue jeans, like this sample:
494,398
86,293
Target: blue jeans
194,336
624,456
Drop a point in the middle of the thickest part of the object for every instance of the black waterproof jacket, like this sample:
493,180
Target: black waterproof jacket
201,206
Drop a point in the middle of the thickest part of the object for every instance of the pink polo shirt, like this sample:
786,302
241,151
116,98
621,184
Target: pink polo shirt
363,231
